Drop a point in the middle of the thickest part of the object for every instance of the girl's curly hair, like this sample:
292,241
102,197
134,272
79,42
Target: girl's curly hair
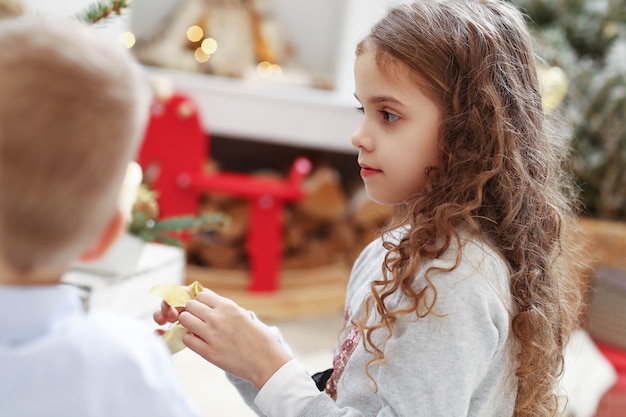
500,176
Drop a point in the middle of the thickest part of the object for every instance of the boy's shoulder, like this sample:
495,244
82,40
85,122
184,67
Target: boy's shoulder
110,344
114,364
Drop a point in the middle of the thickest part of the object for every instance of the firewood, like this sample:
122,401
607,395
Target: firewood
342,238
304,222
315,253
219,201
214,252
325,199
296,231
238,212
363,236
328,226
366,213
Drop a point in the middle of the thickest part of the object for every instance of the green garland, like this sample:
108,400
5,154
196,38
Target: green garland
166,230
102,10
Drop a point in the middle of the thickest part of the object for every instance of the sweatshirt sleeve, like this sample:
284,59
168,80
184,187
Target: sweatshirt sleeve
247,390
287,392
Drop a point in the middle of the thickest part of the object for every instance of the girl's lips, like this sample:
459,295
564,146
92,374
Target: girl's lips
368,172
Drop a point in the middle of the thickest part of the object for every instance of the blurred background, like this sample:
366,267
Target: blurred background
262,83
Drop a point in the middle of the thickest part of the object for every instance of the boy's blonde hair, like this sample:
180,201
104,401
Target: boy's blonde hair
73,106
10,8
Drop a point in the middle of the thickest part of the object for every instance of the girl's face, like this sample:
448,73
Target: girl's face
398,137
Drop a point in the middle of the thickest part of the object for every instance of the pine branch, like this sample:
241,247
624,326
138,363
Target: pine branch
102,10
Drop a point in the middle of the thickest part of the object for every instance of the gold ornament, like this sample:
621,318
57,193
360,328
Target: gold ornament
553,86
146,203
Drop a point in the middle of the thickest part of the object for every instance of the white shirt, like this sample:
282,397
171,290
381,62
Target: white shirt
57,361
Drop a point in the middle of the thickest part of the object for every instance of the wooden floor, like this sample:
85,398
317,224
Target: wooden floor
301,292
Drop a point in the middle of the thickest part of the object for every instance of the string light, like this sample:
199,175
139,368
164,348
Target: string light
127,39
206,49
200,55
209,46
195,33
267,69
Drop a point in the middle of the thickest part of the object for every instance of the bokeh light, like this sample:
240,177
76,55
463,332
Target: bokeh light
267,69
195,33
209,46
127,39
201,56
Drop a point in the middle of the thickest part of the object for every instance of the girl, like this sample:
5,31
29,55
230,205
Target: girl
462,307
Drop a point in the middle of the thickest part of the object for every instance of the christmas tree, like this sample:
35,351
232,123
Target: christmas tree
587,40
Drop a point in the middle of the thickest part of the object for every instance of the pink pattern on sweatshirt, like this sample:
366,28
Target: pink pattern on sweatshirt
341,359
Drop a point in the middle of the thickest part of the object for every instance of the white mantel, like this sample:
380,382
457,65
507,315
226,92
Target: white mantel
325,33
270,112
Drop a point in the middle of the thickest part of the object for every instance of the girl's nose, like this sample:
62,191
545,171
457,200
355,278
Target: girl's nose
360,139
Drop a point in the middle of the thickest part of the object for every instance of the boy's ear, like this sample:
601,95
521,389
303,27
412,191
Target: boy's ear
110,233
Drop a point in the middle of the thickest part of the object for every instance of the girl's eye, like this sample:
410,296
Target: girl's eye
360,109
389,117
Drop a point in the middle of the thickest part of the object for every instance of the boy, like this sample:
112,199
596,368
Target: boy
73,107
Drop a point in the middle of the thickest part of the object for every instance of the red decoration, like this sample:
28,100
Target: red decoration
173,156
613,404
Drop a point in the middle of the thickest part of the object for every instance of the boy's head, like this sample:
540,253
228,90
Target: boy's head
73,106
10,8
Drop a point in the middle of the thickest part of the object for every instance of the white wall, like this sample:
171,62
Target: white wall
324,32
314,27
358,17
55,8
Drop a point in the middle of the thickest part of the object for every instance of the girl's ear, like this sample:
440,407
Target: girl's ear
110,233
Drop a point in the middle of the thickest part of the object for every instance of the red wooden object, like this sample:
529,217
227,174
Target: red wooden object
173,155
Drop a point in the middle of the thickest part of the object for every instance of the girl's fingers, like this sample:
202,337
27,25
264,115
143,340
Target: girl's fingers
195,324
210,298
173,313
198,308
166,314
197,345
159,318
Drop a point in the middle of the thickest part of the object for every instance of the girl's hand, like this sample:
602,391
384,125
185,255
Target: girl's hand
174,299
227,336
167,314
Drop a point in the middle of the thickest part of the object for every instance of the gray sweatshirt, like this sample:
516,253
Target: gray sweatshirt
456,362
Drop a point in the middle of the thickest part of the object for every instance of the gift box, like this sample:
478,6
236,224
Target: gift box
128,292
